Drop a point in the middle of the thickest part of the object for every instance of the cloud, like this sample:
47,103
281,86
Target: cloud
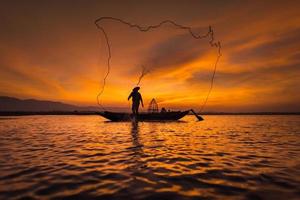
282,45
255,77
176,51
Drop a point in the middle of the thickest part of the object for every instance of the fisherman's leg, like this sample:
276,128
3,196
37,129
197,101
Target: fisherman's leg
134,109
137,108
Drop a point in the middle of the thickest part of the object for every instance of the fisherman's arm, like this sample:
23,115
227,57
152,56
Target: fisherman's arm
129,96
142,100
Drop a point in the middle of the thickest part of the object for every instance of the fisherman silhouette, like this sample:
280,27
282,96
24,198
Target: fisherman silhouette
136,99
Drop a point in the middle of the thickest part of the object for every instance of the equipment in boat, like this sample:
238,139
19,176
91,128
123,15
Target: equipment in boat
153,107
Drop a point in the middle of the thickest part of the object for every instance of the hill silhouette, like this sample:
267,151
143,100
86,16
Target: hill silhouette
12,104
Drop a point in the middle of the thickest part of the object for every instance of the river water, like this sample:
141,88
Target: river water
86,157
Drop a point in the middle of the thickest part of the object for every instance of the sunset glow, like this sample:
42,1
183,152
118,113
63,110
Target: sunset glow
56,53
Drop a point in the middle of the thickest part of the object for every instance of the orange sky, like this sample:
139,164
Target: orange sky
52,50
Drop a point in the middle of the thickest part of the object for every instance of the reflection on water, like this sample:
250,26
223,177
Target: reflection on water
84,157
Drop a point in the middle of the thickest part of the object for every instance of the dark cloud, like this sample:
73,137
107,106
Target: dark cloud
280,47
269,76
177,50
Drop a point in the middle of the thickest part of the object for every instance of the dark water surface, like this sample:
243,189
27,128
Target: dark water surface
84,157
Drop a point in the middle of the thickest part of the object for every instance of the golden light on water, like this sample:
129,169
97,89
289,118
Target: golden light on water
221,156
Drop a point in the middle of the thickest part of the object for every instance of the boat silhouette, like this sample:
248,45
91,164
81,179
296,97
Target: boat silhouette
155,116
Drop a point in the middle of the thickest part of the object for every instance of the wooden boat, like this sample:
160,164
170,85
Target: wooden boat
156,116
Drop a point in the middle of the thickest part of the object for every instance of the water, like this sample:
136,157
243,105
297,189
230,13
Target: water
84,157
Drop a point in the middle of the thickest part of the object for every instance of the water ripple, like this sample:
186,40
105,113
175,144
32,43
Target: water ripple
84,157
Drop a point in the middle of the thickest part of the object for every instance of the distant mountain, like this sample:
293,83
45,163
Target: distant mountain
11,104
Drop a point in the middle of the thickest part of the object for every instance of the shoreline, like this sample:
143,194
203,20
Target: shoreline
28,113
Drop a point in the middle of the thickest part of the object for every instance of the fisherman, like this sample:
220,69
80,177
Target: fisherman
136,99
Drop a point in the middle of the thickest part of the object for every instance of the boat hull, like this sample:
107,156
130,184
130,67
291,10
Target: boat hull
165,116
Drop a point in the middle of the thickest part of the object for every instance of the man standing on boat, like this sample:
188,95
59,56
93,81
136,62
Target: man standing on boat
136,99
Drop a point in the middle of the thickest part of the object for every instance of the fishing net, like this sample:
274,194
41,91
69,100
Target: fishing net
209,34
